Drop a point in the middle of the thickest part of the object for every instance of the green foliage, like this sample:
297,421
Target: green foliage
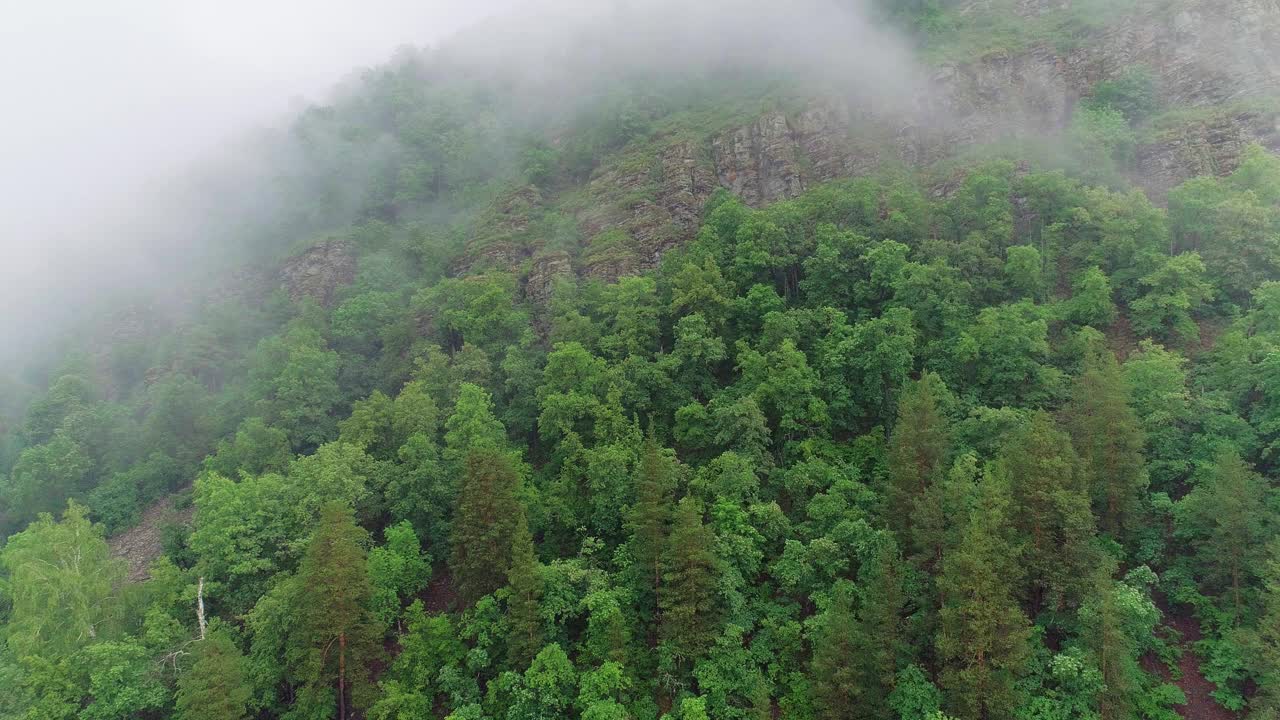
1132,93
883,427
60,586
983,637
485,521
214,686
397,570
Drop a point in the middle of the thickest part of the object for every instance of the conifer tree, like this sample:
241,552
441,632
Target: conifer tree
688,596
1228,521
214,687
856,653
650,519
1114,650
1050,511
836,688
983,635
1109,439
1266,704
880,626
337,638
917,450
524,580
483,524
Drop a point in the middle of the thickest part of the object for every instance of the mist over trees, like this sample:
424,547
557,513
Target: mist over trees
413,410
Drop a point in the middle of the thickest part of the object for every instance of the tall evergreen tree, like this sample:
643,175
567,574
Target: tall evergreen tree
855,656
650,520
983,636
1050,511
1266,704
214,687
337,639
524,581
1109,439
484,524
836,680
1115,651
689,597
917,451
1228,522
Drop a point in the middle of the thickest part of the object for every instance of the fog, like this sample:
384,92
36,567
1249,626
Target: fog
111,105
107,102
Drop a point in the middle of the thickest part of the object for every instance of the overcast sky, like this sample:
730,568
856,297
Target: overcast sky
102,97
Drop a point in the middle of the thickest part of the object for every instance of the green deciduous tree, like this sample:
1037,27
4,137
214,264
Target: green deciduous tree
62,586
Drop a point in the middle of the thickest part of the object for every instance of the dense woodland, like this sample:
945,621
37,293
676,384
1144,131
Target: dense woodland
880,451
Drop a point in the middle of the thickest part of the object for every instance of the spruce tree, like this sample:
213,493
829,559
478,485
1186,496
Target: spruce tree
983,635
1050,511
214,687
836,680
1266,704
650,520
337,638
524,581
1102,619
917,451
484,524
1109,440
688,596
855,656
1228,521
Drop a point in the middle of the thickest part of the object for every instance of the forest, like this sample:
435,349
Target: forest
996,440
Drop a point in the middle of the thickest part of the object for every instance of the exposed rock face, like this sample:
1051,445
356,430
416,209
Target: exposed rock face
760,162
542,276
656,202
1209,147
1200,52
1203,54
500,236
320,271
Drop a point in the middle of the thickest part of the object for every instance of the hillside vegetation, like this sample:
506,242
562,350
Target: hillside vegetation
705,395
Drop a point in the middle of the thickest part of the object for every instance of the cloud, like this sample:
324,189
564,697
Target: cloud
113,105
107,102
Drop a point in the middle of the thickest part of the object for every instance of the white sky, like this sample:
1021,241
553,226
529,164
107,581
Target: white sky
100,97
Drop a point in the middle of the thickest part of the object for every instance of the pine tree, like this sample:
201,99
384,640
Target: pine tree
855,657
1266,704
836,680
1050,511
1109,439
483,524
917,450
983,636
688,596
1229,523
524,580
880,627
214,687
650,520
337,638
1115,652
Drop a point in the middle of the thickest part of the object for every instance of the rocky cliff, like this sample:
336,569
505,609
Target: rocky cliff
319,272
1211,60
